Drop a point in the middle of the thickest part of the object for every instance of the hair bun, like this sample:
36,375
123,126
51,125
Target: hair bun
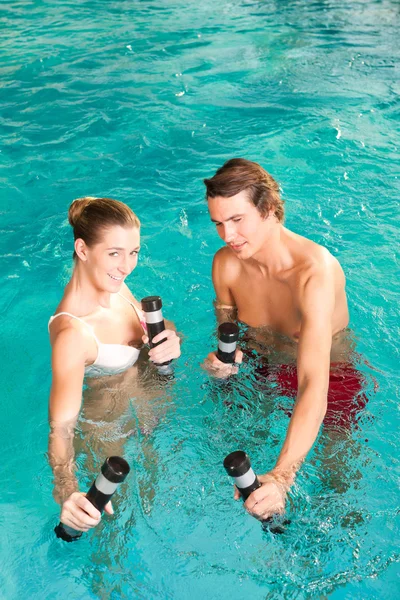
76,209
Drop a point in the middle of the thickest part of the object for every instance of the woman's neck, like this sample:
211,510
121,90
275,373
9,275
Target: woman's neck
85,294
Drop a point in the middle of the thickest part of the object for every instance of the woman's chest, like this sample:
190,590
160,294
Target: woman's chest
117,326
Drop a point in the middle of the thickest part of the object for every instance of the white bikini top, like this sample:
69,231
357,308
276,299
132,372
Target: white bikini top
111,358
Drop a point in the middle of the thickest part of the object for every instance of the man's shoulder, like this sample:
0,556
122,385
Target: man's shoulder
225,264
316,252
319,259
319,271
225,256
313,257
314,266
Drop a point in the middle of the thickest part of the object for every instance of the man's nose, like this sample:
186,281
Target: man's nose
229,233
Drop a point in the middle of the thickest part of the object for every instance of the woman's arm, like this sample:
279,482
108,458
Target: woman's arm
170,348
68,368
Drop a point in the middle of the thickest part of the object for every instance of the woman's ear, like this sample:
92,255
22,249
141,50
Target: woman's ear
81,249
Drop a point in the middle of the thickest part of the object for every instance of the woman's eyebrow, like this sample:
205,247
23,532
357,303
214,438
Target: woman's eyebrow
117,248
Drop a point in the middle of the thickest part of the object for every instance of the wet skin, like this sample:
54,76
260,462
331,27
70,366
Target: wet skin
291,292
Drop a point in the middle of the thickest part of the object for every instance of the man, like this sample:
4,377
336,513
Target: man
272,277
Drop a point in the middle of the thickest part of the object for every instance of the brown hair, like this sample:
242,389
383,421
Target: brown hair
239,174
89,217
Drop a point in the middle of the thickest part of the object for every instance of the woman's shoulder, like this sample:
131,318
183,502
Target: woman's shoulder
68,339
69,353
66,327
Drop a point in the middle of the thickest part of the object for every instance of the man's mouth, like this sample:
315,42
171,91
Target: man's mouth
115,278
237,247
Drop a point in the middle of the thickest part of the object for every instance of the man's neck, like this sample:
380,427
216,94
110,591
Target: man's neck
274,256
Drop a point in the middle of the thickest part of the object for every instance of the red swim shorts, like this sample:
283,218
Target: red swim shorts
346,395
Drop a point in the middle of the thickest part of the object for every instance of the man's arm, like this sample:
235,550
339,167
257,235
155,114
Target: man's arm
223,273
313,362
225,306
316,305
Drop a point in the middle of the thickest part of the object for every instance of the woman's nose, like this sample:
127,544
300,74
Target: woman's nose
124,267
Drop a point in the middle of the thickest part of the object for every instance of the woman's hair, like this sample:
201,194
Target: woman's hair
90,217
239,174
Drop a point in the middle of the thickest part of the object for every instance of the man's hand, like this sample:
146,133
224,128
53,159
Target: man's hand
269,499
220,369
80,514
168,350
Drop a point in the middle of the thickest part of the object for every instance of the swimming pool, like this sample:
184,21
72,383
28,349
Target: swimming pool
140,100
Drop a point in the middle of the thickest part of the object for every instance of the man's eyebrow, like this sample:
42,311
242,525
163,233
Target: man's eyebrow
226,220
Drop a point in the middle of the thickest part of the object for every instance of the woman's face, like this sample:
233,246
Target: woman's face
112,259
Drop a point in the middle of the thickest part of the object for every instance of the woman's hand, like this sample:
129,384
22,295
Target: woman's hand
168,350
80,514
222,370
267,500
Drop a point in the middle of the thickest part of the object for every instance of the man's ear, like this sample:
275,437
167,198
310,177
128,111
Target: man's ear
81,249
270,213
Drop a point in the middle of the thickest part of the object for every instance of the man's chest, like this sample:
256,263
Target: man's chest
267,302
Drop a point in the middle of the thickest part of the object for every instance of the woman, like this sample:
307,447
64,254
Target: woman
97,329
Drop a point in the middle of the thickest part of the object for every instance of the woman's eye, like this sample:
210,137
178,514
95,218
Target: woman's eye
113,254
134,252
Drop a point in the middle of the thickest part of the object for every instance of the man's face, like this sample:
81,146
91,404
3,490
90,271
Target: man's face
239,224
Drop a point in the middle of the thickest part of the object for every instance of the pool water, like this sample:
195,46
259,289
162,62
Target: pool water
140,100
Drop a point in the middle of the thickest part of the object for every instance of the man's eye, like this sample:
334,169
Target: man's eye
237,220
218,224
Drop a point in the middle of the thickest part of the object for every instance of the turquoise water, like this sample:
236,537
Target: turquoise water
140,100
